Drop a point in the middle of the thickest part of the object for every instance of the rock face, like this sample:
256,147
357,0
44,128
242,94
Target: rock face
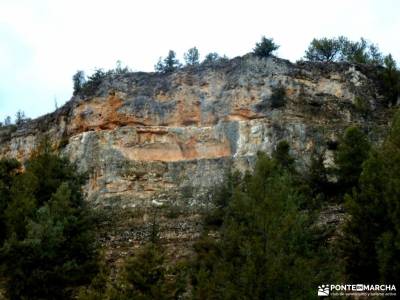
154,144
150,138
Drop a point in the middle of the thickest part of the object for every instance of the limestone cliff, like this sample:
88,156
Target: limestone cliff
146,137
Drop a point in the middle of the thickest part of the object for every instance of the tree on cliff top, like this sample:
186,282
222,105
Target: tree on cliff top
265,47
79,80
168,64
192,57
342,49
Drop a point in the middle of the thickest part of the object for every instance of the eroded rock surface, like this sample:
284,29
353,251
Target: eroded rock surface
146,136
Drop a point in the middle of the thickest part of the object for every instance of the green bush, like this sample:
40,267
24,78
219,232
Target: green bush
90,87
265,47
342,49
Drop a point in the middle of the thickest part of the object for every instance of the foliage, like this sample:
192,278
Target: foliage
8,170
265,47
282,156
352,151
267,247
145,276
317,177
391,80
93,82
370,242
119,70
48,244
342,49
323,50
211,58
20,118
7,121
78,80
361,105
168,64
192,57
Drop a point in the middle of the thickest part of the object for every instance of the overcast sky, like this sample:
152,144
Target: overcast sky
43,43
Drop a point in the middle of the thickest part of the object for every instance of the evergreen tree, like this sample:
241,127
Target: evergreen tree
282,156
8,171
49,245
352,151
20,118
370,241
211,58
391,80
192,57
267,247
78,80
317,177
168,64
7,121
265,47
147,277
323,50
342,49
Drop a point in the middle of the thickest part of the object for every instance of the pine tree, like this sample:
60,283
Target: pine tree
168,64
267,244
49,246
265,47
370,241
353,150
192,57
78,80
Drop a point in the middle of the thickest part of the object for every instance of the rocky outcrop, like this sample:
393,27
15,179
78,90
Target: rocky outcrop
154,144
145,137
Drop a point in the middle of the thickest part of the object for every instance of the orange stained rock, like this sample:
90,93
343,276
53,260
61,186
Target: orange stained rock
177,151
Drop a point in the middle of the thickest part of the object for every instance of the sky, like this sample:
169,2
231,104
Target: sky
44,42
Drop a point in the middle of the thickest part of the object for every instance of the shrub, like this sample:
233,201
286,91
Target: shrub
265,47
93,82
